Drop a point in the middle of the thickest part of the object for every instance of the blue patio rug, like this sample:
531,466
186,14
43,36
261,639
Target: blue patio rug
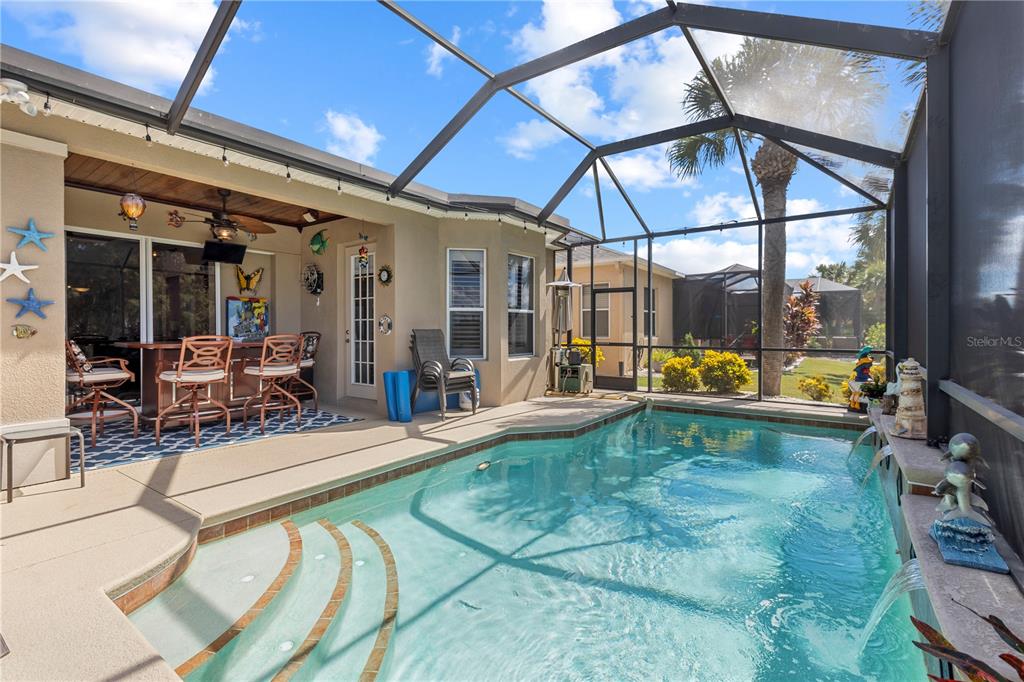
116,445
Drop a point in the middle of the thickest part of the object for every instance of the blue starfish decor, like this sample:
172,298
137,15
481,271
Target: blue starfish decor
32,235
30,304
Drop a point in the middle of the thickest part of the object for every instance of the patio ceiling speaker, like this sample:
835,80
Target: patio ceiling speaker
16,92
223,225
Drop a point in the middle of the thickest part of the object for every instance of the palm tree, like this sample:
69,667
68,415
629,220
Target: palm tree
800,85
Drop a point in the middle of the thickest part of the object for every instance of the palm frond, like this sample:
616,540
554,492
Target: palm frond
691,155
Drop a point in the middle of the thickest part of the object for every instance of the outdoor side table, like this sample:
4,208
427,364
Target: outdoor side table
9,440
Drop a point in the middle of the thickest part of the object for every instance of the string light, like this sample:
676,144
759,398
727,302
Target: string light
47,110
149,138
339,187
288,173
224,157
465,216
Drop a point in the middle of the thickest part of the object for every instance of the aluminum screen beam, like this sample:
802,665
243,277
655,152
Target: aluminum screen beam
487,73
708,73
827,143
747,175
600,204
631,144
828,171
839,35
226,11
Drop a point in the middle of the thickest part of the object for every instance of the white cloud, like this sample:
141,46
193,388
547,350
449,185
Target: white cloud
149,45
437,55
628,91
528,136
808,242
646,169
699,254
722,207
351,137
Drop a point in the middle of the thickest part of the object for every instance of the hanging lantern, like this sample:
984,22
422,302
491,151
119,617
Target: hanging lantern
364,257
132,208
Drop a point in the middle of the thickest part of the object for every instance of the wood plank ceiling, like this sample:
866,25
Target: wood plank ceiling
86,172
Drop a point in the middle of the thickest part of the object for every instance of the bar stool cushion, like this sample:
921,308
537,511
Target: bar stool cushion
271,371
98,374
193,376
307,362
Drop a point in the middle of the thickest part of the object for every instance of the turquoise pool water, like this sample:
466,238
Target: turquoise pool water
672,547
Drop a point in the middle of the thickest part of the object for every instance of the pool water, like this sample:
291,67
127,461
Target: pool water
664,547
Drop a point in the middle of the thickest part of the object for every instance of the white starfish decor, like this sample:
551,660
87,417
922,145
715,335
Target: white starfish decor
15,268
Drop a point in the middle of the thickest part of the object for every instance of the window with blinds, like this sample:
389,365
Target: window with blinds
520,305
466,296
650,303
600,314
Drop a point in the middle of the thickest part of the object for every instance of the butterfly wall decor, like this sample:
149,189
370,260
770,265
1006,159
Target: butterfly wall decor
248,282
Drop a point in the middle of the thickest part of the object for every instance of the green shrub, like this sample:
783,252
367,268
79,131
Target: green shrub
816,388
694,355
875,335
679,374
661,355
723,372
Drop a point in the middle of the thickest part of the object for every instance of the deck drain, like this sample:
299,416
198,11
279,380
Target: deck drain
248,578
320,557
286,645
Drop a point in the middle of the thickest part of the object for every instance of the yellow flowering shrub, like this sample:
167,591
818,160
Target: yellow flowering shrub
816,388
679,374
723,372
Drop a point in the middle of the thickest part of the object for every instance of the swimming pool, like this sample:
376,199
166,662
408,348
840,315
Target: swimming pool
673,546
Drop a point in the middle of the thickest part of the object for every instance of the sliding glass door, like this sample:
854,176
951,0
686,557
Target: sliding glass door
104,297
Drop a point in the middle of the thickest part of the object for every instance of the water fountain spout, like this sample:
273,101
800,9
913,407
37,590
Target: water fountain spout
870,431
906,579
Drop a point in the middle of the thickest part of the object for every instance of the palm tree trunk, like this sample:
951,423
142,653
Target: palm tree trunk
773,283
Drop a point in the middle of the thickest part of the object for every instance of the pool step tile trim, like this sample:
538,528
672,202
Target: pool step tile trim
387,624
329,612
254,611
219,531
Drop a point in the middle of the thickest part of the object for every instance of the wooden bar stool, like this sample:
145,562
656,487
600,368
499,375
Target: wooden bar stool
204,361
299,387
279,365
92,378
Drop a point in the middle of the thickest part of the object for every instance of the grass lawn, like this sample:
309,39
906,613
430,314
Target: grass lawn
834,371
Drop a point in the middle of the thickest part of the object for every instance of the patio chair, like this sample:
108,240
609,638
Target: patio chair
91,379
279,365
435,372
299,387
203,361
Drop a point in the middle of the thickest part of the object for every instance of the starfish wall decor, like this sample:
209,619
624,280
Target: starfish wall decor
31,235
13,267
30,304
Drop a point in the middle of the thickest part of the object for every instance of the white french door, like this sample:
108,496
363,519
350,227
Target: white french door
361,324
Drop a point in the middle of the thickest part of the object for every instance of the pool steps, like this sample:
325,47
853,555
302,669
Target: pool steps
335,601
275,589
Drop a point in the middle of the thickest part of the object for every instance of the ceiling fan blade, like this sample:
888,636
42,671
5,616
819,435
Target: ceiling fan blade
251,225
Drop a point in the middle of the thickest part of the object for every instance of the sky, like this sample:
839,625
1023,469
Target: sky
355,80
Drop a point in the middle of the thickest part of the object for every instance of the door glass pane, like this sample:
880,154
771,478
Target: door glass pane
184,293
103,297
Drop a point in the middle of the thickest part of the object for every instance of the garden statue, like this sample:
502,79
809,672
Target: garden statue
861,375
964,531
910,418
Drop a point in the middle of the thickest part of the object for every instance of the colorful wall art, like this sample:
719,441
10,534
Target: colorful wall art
248,318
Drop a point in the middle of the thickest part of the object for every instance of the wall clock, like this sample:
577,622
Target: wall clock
385,275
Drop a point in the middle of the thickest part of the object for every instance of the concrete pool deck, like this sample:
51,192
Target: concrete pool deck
66,551
65,548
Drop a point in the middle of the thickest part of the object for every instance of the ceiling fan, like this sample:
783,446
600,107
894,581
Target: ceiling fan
223,225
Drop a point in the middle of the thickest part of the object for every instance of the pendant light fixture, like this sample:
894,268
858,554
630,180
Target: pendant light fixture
132,206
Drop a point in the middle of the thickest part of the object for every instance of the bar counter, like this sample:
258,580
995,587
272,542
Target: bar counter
162,356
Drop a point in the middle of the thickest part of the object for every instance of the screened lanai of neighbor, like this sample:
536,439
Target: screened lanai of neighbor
274,256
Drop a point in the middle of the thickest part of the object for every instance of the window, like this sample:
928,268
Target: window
600,313
651,301
520,305
466,292
184,292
